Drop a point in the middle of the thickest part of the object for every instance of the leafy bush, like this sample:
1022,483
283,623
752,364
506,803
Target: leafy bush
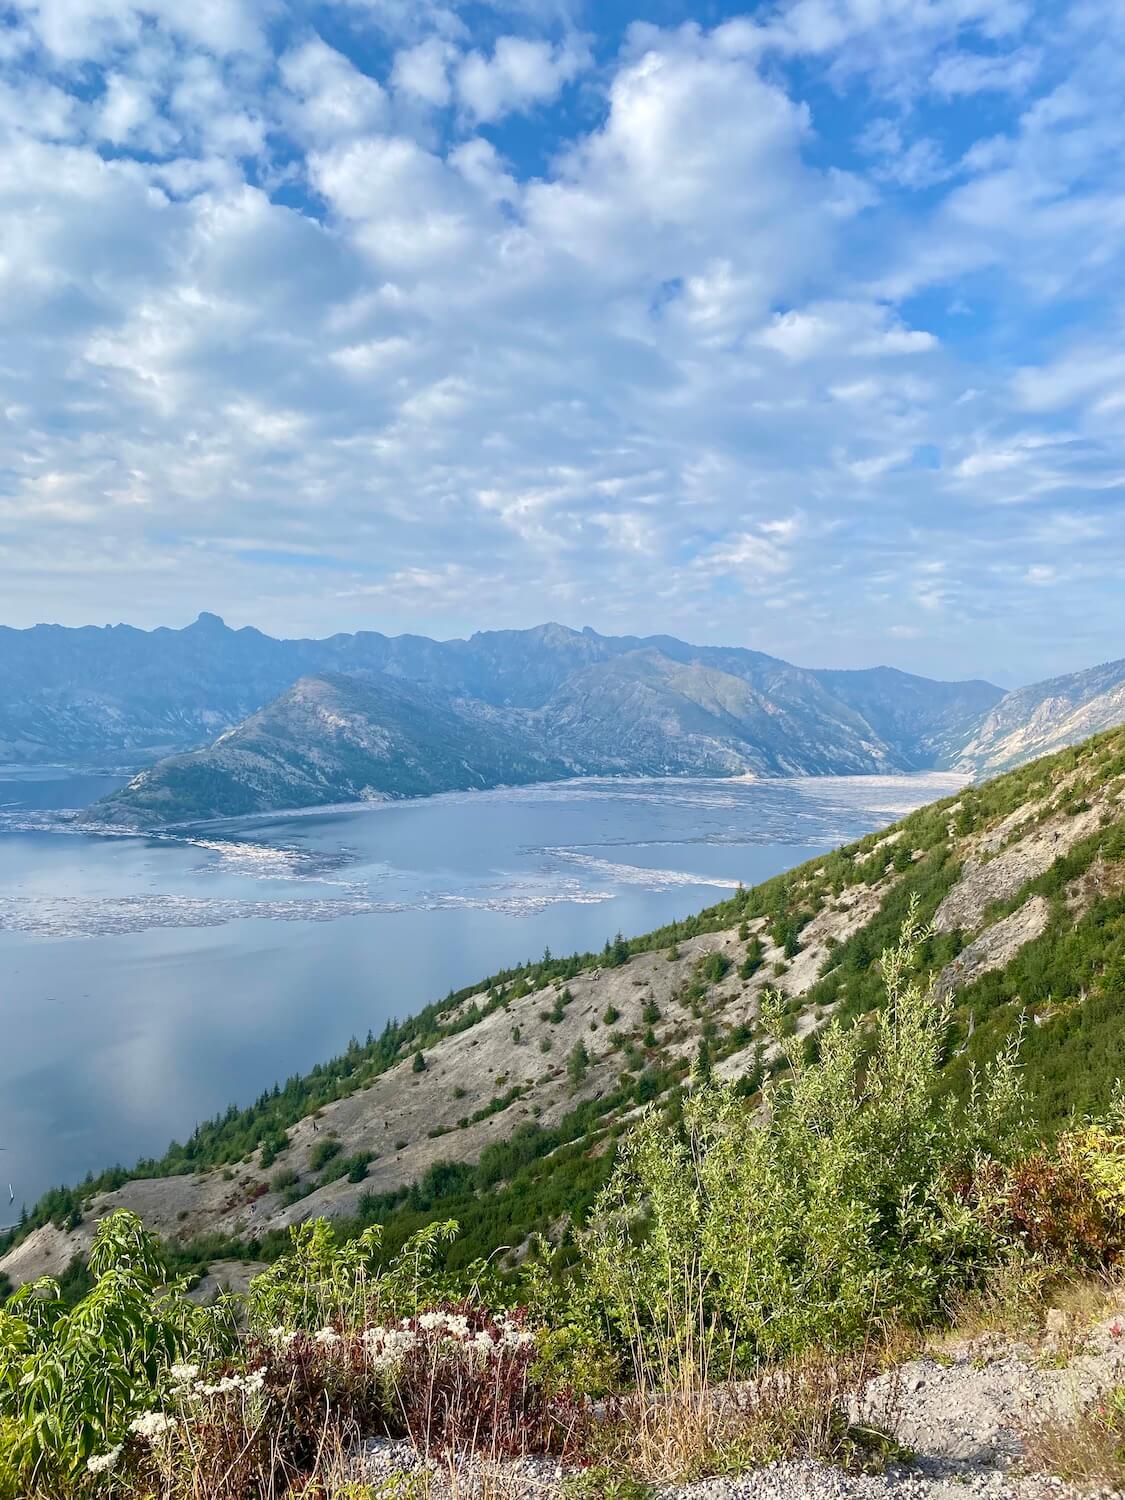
714,967
346,1284
1064,1204
322,1153
840,1207
71,1379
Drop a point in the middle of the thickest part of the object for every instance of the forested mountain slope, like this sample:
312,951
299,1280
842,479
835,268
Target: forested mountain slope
658,708
496,1106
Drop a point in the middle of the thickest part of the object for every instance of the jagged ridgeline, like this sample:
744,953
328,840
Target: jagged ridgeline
499,1105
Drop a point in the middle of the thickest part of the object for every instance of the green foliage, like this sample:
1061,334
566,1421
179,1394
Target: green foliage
323,1152
605,1483
616,953
840,1207
72,1378
577,1064
419,1063
713,967
347,1284
753,960
355,1167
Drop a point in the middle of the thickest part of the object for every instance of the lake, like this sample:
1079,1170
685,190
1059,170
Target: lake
148,982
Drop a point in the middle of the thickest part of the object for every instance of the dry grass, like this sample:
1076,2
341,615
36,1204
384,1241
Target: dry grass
1088,1450
804,1409
1013,1299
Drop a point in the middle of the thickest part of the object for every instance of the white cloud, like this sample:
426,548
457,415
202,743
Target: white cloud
412,212
347,351
843,328
38,109
331,97
520,73
127,106
422,71
78,30
975,73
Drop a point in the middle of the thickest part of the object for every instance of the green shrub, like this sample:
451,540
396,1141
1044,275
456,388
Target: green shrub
322,1153
714,967
843,1207
323,1281
355,1167
577,1064
71,1379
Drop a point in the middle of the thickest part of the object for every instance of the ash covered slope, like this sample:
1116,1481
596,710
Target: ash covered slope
1044,717
333,739
924,723
524,1077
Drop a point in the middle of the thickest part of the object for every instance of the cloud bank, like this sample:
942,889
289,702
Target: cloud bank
800,329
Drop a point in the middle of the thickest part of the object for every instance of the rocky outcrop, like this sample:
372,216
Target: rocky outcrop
1044,717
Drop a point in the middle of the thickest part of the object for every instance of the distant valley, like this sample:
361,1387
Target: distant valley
231,722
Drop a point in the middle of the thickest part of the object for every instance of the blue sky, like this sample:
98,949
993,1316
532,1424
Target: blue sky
797,326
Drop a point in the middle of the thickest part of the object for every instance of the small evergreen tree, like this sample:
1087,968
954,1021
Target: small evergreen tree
577,1064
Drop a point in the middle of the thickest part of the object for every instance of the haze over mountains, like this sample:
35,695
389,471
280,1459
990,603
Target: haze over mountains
238,722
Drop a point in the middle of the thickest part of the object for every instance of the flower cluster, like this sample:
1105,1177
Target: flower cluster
478,1337
102,1463
249,1384
151,1425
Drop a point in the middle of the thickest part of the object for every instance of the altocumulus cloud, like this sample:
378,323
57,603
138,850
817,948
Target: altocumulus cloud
798,328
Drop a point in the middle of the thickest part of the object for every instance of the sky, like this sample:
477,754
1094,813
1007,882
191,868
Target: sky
796,326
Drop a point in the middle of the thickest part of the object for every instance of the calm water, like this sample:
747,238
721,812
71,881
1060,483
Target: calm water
148,982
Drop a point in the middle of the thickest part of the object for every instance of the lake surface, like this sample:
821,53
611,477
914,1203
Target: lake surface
148,982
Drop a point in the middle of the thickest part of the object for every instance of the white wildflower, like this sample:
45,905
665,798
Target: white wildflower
183,1374
387,1347
514,1337
151,1425
326,1337
101,1463
222,1387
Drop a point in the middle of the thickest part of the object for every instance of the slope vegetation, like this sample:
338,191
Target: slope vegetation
497,1105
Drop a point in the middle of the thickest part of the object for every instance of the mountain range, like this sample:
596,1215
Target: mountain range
226,722
370,717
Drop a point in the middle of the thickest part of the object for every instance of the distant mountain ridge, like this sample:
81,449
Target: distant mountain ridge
116,692
1046,716
371,716
333,739
218,713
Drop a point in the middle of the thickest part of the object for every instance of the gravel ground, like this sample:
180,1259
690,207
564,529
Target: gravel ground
961,1413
